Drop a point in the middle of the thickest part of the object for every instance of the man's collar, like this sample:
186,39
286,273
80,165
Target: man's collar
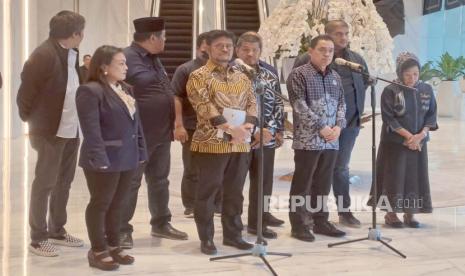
60,48
139,49
212,66
318,70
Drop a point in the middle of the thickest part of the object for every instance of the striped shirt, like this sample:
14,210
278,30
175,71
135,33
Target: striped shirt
210,89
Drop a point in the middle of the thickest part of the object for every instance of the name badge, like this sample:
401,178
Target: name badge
334,82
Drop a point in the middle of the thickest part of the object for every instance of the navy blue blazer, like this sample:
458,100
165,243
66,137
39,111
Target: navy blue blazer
112,138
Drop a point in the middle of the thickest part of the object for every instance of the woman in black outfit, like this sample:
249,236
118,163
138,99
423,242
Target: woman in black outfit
112,148
402,164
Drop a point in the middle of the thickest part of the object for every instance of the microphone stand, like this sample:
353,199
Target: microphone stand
374,233
259,249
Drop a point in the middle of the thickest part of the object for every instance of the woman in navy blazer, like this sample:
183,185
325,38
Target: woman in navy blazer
112,149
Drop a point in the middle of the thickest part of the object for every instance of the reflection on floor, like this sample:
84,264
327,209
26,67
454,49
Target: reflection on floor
435,249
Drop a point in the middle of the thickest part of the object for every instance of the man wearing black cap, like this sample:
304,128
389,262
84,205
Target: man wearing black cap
155,98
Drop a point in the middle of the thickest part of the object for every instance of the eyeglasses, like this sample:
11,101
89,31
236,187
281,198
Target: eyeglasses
222,46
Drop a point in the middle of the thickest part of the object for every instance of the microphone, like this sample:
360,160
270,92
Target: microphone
245,68
352,65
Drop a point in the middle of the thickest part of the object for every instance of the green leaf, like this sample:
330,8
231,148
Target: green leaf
449,68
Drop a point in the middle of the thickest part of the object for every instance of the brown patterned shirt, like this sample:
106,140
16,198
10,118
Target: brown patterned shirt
210,89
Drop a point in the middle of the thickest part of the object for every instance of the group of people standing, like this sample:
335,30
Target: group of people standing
128,112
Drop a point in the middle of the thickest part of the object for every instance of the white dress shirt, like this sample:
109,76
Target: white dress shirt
69,123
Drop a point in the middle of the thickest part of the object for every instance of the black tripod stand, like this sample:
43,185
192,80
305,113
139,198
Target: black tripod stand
259,249
374,234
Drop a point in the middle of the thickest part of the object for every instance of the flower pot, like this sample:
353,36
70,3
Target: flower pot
460,107
462,85
448,94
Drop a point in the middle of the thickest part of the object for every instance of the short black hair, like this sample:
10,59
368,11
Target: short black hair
141,37
251,37
215,34
66,23
87,55
317,39
201,38
332,25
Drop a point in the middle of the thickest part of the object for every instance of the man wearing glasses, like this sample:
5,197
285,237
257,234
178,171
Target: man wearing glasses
221,148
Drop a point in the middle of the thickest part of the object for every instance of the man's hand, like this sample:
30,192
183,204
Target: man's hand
336,132
267,137
240,133
248,126
180,134
326,132
279,139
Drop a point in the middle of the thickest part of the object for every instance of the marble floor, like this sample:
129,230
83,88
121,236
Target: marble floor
438,248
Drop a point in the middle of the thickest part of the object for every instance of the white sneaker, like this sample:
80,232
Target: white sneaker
67,240
44,249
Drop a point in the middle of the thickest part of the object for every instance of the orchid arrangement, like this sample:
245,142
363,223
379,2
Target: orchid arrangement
293,22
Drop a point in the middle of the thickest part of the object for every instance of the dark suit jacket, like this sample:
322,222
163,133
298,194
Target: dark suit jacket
111,137
84,73
43,87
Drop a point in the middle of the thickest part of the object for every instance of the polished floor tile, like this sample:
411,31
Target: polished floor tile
438,248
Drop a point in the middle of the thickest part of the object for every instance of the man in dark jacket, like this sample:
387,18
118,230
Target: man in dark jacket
46,101
155,97
84,69
354,85
185,125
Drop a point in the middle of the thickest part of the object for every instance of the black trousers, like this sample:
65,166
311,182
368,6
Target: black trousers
312,180
341,181
156,171
54,172
190,176
216,171
108,196
268,168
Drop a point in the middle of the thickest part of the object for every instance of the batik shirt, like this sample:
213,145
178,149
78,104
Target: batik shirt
210,89
317,99
274,107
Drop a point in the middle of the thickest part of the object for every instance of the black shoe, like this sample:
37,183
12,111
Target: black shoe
238,243
168,232
303,235
208,247
189,212
348,219
117,256
393,221
328,229
125,240
411,222
271,220
97,261
267,232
